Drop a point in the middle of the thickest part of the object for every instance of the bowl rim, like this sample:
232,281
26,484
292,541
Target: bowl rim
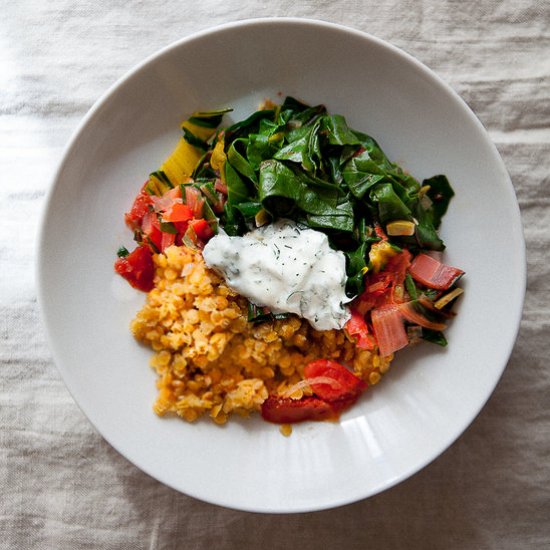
40,264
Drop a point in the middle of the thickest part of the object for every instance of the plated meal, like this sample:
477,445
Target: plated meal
286,259
192,320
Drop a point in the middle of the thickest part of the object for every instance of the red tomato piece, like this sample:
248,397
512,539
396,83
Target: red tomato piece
140,207
202,229
281,410
178,213
151,228
348,385
194,200
168,239
137,268
357,327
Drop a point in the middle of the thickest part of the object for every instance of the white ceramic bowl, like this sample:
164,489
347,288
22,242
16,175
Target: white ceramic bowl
429,397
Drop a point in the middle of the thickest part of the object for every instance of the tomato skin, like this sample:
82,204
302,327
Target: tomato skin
178,213
137,268
282,410
202,229
357,327
139,208
350,385
168,239
150,226
194,200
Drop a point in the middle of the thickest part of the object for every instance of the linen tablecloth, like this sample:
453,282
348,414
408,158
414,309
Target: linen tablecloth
63,486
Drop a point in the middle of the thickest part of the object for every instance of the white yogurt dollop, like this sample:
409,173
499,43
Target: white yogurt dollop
286,268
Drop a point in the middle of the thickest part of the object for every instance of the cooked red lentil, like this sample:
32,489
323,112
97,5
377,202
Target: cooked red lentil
210,359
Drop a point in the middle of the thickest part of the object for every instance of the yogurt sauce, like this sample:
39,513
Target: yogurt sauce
286,268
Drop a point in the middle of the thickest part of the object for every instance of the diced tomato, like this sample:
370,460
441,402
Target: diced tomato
151,228
178,213
168,239
348,385
137,268
281,410
357,327
202,229
389,329
433,274
140,207
194,200
181,227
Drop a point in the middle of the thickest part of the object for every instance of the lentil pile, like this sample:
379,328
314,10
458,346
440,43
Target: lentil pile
211,360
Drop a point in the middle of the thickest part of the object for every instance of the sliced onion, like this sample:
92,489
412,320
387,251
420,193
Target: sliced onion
332,382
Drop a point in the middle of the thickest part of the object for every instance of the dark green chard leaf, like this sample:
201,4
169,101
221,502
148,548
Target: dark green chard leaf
434,336
335,128
168,227
258,149
203,169
296,113
440,193
390,206
247,126
282,191
408,186
293,105
361,173
356,263
370,145
279,188
248,209
410,287
209,119
192,139
305,149
231,223
160,175
339,219
237,190
427,237
271,129
327,191
239,161
257,314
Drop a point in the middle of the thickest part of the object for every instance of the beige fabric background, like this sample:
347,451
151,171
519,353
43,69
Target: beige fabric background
63,486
